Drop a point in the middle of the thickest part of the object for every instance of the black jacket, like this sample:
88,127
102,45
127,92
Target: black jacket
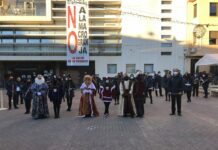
149,83
176,84
10,87
69,88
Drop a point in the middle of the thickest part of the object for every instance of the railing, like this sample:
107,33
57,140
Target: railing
25,9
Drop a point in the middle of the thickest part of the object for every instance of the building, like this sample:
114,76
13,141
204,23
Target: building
202,32
125,35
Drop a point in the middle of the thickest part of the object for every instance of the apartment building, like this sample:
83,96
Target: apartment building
202,32
124,35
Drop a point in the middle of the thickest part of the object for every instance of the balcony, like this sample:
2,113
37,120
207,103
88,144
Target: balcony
105,2
33,27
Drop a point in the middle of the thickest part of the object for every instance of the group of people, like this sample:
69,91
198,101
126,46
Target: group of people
37,92
129,92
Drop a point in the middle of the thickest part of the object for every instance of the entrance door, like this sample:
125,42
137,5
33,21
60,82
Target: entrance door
193,62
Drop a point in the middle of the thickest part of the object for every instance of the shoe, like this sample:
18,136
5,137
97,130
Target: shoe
172,114
26,113
180,114
16,107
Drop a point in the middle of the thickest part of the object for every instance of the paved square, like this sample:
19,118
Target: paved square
197,129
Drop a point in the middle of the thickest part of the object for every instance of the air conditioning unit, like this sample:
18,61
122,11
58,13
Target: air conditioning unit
193,50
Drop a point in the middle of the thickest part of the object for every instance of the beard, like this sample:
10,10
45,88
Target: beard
39,81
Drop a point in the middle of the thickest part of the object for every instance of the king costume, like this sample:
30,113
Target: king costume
87,107
40,105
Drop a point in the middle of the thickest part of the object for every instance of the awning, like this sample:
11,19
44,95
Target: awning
208,59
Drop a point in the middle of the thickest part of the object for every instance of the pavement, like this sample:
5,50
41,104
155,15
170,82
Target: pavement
197,129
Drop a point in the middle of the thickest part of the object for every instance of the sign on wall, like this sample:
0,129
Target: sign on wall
77,33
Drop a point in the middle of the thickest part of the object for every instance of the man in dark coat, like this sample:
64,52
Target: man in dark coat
10,87
176,88
139,95
149,85
18,94
69,92
166,79
196,82
27,95
56,94
205,83
158,83
188,84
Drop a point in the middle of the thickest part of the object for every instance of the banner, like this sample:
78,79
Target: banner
77,33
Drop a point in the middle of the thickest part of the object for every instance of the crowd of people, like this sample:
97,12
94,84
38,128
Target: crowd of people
128,91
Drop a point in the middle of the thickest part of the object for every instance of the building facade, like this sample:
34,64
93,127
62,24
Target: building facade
125,35
202,32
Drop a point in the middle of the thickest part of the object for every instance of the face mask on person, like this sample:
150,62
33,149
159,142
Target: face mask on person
126,78
175,73
107,81
203,75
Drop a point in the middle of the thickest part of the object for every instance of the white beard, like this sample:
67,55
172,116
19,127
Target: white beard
39,81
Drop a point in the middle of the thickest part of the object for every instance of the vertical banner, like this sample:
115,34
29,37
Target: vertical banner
77,32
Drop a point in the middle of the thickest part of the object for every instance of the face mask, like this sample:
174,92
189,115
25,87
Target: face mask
126,78
175,73
203,75
107,81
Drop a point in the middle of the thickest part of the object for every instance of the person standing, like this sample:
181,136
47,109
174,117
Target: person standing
87,106
166,79
158,83
106,94
139,95
176,88
117,81
205,84
56,94
27,95
196,83
69,92
10,87
149,85
39,90
188,84
18,94
126,106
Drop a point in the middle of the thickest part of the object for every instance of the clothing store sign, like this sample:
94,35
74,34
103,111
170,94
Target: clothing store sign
77,33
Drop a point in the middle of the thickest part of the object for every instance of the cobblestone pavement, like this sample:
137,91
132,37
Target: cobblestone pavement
197,129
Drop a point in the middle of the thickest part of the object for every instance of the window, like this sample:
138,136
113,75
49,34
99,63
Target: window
213,37
23,41
1,3
166,44
130,68
165,19
166,53
166,11
112,68
195,10
165,28
213,9
165,2
148,68
7,41
165,36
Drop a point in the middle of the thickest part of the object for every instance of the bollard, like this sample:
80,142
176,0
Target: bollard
1,101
